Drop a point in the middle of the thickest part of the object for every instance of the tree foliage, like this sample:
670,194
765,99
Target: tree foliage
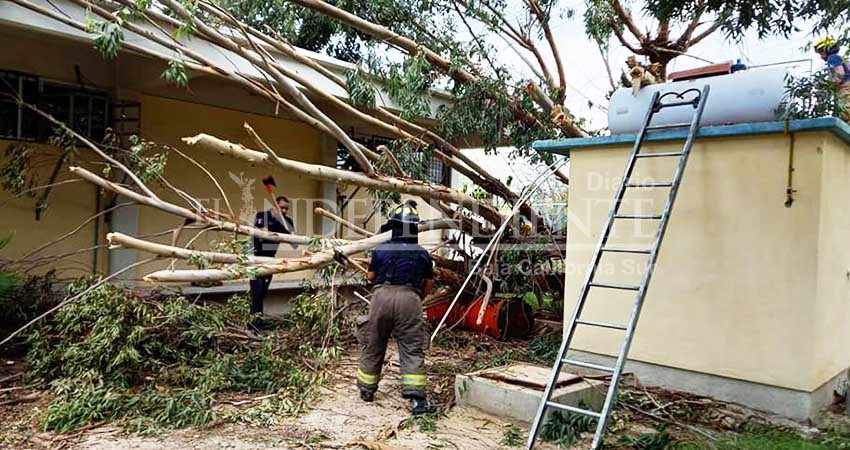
160,361
766,17
812,96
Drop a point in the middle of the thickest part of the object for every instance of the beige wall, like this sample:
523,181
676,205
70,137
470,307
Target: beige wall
167,121
167,116
744,287
832,307
69,205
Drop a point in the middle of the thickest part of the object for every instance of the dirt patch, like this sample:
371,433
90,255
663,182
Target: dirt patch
337,418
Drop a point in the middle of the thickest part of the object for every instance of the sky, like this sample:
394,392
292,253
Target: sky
587,79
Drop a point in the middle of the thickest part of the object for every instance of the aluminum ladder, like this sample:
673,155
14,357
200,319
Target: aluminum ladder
690,97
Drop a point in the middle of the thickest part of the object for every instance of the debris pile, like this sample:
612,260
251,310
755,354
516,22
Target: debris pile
162,361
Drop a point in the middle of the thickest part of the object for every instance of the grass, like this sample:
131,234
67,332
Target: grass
513,436
780,440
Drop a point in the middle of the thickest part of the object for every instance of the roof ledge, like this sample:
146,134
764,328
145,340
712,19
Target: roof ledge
834,125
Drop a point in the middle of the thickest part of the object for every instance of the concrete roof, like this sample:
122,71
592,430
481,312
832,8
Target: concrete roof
834,125
16,17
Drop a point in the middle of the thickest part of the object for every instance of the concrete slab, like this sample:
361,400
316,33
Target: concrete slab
513,392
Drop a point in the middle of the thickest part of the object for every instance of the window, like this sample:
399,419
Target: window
436,169
86,111
16,121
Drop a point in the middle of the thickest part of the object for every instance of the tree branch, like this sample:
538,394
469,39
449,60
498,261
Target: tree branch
379,182
627,20
543,18
325,213
385,34
286,265
179,211
281,80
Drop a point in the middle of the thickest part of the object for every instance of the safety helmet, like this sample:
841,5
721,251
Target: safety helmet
826,44
405,213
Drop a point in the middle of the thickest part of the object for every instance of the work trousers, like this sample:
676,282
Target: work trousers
844,100
259,289
395,311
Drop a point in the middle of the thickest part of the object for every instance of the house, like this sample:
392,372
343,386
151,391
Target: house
750,298
56,66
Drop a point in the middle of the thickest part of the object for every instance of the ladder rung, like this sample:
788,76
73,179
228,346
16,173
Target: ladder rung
668,126
587,365
693,103
648,185
573,409
612,326
658,154
624,287
626,250
638,216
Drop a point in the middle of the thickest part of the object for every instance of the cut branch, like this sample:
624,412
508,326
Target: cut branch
187,213
286,265
378,182
391,37
325,213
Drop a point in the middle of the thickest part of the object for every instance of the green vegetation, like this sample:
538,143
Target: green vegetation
659,440
513,436
159,361
781,440
812,96
544,349
427,423
564,429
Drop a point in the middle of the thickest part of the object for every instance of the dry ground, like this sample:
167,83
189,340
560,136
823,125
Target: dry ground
337,418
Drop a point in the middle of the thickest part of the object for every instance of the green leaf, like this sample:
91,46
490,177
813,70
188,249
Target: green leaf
108,38
176,73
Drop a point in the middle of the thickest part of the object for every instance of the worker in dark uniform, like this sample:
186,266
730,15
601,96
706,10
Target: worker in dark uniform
403,274
270,220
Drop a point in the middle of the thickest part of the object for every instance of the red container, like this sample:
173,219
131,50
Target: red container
503,318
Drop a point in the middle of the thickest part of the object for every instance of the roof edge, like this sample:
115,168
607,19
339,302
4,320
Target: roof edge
832,124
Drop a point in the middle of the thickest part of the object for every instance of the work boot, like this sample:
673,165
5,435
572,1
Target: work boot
420,406
367,395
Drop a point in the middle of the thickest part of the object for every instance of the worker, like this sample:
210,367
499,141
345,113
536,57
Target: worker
403,274
274,220
827,47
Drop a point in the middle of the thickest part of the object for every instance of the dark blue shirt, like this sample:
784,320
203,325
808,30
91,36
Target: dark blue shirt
268,219
401,263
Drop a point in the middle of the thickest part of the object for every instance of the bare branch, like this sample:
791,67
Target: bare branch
343,222
116,240
287,86
385,34
187,213
286,265
94,148
627,20
708,31
379,182
543,19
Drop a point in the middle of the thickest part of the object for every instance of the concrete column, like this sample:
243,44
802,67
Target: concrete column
327,226
124,220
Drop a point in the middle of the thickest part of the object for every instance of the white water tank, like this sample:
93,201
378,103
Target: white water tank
744,96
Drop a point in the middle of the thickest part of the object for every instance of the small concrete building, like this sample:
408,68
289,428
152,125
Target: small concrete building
750,299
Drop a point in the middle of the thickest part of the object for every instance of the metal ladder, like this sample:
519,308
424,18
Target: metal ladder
679,99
